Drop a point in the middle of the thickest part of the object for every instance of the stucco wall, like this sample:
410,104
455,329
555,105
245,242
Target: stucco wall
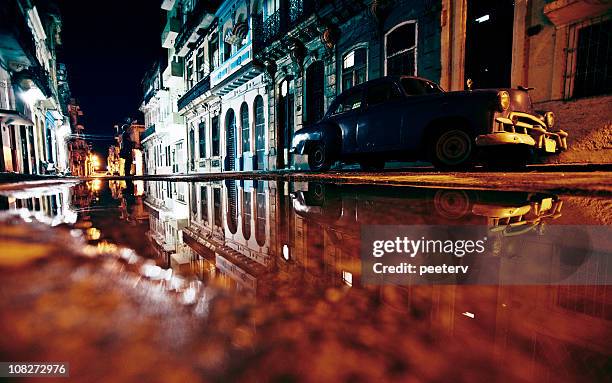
589,124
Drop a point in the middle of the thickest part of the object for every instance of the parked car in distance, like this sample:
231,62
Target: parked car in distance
410,118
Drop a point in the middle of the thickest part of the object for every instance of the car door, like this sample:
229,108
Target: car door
346,116
380,122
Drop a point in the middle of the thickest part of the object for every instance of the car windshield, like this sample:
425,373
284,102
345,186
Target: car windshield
417,87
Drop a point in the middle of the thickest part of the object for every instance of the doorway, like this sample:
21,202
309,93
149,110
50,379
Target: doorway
488,43
260,133
315,92
230,140
286,119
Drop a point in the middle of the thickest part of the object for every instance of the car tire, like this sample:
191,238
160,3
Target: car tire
452,204
372,165
452,148
319,158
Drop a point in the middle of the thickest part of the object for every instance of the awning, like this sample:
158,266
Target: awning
12,117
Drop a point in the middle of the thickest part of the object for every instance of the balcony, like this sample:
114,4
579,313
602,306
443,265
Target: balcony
198,90
148,132
232,65
171,31
200,18
16,40
282,21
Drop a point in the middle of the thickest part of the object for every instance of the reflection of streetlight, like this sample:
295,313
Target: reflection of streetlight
95,161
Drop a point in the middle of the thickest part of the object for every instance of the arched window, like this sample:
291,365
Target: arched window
401,49
247,205
354,67
244,125
260,132
230,140
260,214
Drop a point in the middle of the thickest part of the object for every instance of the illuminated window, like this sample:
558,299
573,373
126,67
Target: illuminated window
347,278
354,68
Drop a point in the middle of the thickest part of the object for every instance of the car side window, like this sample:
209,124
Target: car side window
381,93
417,87
351,101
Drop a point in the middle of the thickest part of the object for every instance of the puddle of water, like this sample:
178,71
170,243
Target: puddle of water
261,280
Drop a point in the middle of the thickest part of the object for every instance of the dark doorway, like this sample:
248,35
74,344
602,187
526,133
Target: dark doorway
191,149
488,43
286,119
260,132
315,95
32,155
230,140
24,150
13,144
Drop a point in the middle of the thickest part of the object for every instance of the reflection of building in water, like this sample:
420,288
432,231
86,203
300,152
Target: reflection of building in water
233,226
167,204
51,205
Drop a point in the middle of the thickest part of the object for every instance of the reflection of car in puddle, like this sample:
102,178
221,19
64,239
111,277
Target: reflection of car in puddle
514,223
349,205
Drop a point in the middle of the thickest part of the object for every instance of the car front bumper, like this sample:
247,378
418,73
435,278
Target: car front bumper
526,129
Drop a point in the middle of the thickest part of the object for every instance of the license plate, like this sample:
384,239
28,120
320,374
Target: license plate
550,145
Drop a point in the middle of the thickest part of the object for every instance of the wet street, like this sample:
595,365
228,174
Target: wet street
260,280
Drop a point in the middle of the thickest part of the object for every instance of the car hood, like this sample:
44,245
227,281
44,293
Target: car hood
520,100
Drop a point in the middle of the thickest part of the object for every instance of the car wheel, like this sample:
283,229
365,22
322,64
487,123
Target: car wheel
452,204
452,149
372,165
319,158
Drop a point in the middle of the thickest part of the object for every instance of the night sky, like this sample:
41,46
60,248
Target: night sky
107,47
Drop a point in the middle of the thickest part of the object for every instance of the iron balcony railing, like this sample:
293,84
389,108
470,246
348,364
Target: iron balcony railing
199,89
282,21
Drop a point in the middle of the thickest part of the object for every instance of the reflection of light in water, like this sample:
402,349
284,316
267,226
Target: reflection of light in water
347,278
96,185
189,295
151,271
138,188
286,254
93,234
468,314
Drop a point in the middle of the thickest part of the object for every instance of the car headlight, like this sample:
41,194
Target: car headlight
549,119
503,100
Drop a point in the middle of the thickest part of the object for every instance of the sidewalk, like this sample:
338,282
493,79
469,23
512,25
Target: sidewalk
565,179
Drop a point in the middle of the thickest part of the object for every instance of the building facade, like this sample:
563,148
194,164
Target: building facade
164,139
33,88
256,71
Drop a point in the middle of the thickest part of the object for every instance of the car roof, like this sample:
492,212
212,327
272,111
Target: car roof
383,79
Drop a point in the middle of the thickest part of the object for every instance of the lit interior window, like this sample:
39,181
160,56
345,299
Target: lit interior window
347,278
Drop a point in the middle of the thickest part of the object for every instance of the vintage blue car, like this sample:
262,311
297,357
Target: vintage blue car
411,118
